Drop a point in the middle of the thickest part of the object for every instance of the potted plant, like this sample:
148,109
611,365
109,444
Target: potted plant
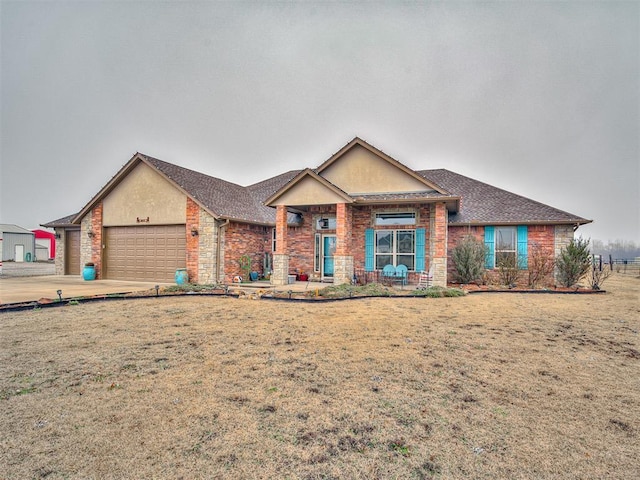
89,271
303,277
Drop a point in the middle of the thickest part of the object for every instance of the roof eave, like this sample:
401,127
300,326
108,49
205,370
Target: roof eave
575,221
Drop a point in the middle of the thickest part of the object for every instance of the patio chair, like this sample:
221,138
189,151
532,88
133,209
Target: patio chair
402,272
388,273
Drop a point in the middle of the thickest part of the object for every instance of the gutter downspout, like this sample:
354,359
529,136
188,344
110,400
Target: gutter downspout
219,243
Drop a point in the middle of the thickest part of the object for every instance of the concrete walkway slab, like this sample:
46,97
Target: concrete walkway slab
27,289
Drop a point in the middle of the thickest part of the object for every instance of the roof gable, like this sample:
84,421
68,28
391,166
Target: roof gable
361,169
308,188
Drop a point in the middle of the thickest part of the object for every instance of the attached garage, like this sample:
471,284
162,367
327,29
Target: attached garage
144,253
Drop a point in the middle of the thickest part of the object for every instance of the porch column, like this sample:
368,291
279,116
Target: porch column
280,273
343,257
438,243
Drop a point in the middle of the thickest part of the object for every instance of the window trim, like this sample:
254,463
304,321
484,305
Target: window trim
409,213
395,254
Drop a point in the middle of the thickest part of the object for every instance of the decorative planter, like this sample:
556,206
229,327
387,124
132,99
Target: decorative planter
89,272
182,276
303,277
253,276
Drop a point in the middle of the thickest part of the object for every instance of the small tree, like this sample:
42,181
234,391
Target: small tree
574,262
541,264
468,258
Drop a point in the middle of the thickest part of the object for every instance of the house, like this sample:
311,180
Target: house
355,213
17,244
45,244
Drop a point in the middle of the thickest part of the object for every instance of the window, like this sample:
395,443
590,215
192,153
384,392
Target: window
395,247
395,218
505,246
326,223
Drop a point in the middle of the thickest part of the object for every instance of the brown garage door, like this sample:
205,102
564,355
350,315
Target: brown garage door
149,253
72,252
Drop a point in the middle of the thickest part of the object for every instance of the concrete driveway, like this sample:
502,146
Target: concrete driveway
26,289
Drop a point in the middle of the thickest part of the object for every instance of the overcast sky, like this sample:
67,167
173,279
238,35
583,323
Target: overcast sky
541,99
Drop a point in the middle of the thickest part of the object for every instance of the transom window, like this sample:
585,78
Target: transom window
326,223
395,218
506,246
395,247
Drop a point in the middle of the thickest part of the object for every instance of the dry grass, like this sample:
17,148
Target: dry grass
484,386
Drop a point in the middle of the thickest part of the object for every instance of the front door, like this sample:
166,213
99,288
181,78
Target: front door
328,251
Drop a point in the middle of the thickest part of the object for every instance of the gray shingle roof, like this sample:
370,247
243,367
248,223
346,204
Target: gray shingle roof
225,199
485,204
61,222
481,203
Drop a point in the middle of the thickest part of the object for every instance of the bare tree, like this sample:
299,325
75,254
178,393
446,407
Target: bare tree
541,264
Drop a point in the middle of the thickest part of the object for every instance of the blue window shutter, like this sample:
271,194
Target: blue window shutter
368,250
490,243
522,247
420,247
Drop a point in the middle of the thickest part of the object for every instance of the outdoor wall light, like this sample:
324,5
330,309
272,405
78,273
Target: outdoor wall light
194,232
58,236
90,234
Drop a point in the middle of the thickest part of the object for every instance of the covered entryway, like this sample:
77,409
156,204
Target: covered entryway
144,253
72,252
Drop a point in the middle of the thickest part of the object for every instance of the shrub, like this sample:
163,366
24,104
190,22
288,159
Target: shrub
508,270
468,258
598,275
439,292
573,262
541,264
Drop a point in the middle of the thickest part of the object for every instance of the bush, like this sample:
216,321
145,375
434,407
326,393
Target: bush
468,257
439,292
574,262
541,264
508,270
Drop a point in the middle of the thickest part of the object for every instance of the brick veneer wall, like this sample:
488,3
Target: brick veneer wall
192,241
244,239
301,240
542,235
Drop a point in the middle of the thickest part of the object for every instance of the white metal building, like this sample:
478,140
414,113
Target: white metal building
18,244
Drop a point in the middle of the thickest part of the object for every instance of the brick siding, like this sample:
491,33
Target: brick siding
245,239
192,241
542,235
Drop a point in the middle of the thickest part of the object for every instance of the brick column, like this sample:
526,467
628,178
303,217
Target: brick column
343,258
438,243
192,243
96,240
280,273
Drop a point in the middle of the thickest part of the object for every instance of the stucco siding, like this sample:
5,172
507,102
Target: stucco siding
144,196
